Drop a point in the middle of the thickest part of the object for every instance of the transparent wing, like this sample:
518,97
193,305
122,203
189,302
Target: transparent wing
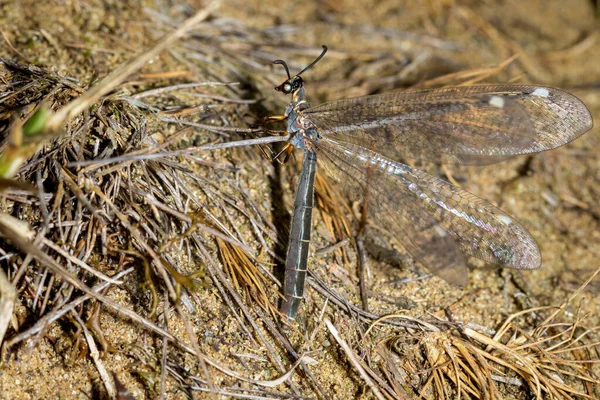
469,124
434,220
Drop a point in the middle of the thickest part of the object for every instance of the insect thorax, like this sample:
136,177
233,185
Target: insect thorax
299,127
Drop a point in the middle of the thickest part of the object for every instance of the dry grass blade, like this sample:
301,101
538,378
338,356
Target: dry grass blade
8,296
153,232
106,379
188,151
354,360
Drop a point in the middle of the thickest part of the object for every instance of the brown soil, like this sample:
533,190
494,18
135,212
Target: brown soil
374,47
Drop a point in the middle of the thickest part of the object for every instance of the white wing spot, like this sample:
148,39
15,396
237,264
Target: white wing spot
440,231
541,92
506,220
497,101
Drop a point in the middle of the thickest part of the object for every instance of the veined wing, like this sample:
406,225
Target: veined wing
468,124
435,220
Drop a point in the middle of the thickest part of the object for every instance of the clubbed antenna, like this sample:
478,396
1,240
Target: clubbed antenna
284,66
314,62
287,70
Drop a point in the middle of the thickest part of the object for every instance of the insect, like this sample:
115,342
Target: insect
358,140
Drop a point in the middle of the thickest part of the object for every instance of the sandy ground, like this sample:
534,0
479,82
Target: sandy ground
556,198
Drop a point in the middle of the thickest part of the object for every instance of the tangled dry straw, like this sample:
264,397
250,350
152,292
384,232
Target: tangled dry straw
125,203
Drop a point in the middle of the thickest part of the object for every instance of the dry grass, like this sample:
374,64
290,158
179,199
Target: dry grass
469,364
140,238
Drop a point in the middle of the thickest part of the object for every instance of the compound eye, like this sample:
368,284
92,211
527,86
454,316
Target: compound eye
287,88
